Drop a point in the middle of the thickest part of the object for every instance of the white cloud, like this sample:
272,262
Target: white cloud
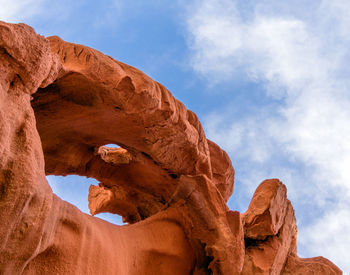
301,60
326,236
16,11
64,16
235,136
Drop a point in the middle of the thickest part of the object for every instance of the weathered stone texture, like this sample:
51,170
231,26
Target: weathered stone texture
60,104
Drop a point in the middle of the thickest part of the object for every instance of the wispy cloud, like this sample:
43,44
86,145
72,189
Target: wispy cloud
299,54
65,16
18,11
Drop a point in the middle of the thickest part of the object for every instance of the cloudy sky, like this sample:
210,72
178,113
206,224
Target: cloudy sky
268,79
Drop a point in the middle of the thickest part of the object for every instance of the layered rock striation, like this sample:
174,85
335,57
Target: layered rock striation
61,103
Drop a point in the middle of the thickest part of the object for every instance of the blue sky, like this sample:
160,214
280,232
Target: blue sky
268,79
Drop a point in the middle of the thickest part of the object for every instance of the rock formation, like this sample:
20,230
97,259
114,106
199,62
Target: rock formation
60,104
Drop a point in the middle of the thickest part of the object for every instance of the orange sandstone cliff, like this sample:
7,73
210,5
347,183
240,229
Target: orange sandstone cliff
60,103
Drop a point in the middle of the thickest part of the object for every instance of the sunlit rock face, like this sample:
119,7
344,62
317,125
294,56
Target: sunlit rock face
60,103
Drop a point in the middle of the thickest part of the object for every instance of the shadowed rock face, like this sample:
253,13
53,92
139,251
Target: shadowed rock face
60,104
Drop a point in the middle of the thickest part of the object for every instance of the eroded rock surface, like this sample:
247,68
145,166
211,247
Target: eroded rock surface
271,236
61,103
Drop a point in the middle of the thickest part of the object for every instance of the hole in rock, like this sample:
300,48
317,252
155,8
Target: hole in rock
75,189
112,146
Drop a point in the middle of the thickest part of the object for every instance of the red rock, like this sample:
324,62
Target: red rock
81,244
236,226
271,236
60,104
223,172
268,256
25,196
266,211
112,200
309,266
83,100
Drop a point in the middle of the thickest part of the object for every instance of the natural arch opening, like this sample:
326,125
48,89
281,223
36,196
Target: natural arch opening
111,145
91,139
92,101
76,118
75,190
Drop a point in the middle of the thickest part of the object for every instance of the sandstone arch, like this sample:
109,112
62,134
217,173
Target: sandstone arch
165,140
96,100
60,104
